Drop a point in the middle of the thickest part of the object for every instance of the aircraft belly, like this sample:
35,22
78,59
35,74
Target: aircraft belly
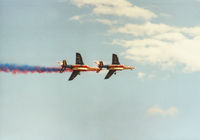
80,68
116,68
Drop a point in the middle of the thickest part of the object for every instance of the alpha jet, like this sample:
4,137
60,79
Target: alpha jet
114,67
77,68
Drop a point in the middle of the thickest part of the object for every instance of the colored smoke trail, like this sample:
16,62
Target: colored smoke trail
28,69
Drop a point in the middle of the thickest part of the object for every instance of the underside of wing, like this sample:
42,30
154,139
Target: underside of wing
74,74
110,73
79,60
115,59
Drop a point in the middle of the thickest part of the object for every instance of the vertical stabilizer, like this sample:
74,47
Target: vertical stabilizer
64,63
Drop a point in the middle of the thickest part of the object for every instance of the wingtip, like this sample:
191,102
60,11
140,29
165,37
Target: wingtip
70,79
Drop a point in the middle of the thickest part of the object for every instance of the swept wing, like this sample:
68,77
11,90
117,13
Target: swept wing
110,73
74,74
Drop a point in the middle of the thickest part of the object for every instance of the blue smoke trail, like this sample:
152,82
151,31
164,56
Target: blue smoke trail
27,68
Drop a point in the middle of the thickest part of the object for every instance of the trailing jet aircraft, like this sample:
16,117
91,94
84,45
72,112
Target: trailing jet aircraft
114,67
77,68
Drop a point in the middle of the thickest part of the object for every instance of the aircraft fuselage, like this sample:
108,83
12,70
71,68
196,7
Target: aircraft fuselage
82,68
117,67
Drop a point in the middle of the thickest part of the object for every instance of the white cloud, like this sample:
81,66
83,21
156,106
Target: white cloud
156,110
116,8
141,30
157,44
142,75
150,29
76,18
172,36
106,21
162,45
81,3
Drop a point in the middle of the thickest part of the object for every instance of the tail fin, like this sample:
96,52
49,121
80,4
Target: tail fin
100,64
64,63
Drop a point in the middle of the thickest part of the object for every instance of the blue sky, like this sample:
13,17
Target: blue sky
157,101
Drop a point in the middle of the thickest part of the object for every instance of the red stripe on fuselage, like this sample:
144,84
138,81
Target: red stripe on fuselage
121,66
87,68
82,66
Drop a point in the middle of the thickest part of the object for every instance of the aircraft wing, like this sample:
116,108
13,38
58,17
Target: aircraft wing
115,59
110,73
79,60
74,74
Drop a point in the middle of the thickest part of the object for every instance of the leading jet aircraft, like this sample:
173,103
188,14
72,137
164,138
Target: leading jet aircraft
77,68
114,67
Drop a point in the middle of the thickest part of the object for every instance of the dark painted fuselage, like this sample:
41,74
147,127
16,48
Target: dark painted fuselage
116,67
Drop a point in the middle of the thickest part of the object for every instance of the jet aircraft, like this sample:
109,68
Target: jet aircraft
77,68
116,66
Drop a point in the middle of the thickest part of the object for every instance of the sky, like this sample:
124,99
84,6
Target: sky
159,100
